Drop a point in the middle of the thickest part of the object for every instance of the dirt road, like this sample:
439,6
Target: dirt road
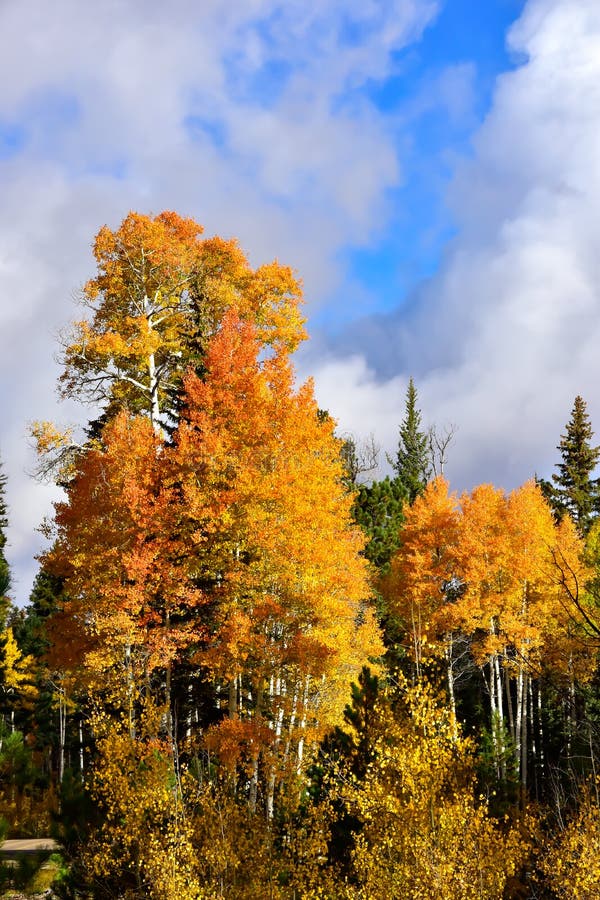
27,845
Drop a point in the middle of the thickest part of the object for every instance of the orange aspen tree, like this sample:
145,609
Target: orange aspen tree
515,605
124,581
529,621
483,561
236,538
160,291
423,576
497,570
261,479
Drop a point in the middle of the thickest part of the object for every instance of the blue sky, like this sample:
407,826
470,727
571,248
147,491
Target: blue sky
441,90
431,168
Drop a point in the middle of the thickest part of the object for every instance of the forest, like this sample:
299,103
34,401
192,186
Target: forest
251,669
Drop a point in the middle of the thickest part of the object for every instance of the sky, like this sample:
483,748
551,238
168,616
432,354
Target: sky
430,168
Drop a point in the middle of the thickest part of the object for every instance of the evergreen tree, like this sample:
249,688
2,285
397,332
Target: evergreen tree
574,491
378,511
413,459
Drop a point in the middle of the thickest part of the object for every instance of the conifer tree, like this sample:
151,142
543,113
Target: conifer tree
413,461
574,491
378,511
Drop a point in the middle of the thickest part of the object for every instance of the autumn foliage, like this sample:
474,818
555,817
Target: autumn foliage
157,300
245,707
231,549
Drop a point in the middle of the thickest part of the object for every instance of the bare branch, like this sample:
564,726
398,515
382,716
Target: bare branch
439,441
360,457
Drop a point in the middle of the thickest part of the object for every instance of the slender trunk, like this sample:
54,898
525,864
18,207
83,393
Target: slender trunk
534,748
593,760
233,702
271,794
524,733
154,401
62,730
129,688
232,709
572,708
253,793
291,723
300,751
500,716
509,703
168,691
190,712
496,708
416,630
152,378
277,725
542,759
519,720
81,768
451,692
493,713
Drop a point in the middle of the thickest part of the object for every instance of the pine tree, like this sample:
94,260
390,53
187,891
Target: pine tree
574,490
378,511
413,460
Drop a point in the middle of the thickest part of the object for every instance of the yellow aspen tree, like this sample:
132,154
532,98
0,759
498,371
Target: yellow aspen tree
423,832
144,844
570,861
160,292
17,675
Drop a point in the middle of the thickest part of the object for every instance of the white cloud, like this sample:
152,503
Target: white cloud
506,335
282,151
